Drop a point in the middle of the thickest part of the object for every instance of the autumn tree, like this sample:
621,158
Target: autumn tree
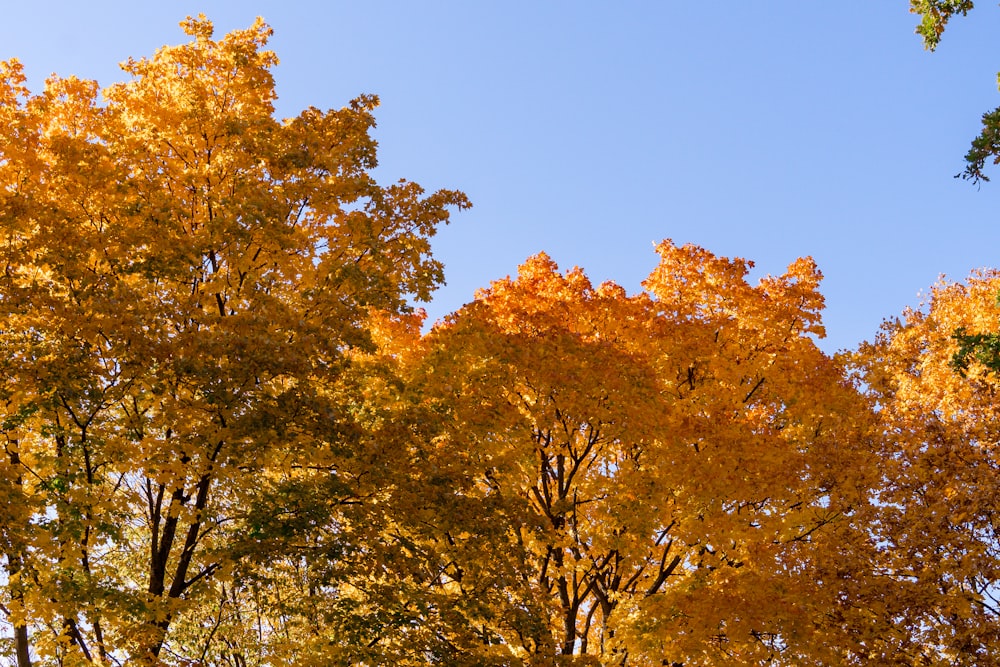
666,478
186,284
941,425
336,569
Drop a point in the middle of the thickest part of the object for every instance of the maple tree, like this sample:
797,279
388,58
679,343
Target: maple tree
937,371
185,281
940,425
931,378
665,478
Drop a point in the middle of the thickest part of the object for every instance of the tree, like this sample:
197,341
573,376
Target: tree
186,285
938,506
667,478
935,15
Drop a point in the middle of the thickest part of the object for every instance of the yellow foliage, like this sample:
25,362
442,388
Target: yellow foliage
940,429
188,284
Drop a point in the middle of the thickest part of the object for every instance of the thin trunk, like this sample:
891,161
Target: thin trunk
569,632
158,571
15,565
21,640
21,645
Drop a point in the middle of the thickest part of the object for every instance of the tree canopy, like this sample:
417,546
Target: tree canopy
229,439
186,280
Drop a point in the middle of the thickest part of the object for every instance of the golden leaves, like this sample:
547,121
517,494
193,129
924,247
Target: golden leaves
938,430
650,453
196,296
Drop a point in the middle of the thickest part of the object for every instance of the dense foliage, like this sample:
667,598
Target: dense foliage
227,440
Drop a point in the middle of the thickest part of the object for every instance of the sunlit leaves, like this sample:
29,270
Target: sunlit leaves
187,285
934,17
652,467
940,427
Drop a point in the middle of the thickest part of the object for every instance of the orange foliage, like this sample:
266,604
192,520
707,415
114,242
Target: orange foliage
939,430
646,478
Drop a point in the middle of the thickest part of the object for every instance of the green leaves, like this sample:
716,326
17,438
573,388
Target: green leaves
985,149
935,15
979,348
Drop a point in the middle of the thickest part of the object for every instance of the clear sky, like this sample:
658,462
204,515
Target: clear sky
766,130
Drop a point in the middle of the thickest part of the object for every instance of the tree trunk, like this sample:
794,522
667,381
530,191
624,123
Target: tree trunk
21,645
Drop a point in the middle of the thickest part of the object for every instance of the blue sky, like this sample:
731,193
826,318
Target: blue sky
766,130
